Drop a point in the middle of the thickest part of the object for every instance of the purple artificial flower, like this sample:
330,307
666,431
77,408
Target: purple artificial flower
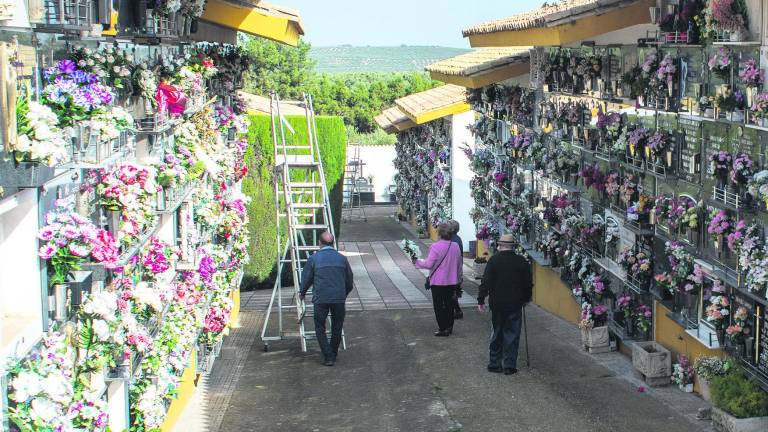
67,66
47,251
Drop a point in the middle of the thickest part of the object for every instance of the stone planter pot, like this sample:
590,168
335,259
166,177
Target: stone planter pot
724,422
596,339
704,390
652,360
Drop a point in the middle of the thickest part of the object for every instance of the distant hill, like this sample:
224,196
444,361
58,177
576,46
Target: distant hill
346,58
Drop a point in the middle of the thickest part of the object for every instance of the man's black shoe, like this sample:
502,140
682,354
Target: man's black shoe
510,371
459,314
495,369
442,333
329,362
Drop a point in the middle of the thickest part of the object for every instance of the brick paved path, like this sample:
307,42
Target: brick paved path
396,377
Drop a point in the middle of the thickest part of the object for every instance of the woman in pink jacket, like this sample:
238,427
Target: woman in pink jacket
444,263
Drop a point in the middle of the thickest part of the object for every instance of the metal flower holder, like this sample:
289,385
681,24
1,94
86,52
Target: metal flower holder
73,15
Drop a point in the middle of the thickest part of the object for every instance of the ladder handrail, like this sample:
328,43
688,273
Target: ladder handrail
313,142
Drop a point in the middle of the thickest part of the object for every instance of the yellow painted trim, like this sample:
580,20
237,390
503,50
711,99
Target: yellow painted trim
252,21
482,249
432,232
484,78
428,116
235,297
553,295
578,30
187,387
673,337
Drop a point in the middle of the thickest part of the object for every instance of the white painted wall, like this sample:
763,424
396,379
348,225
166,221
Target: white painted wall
462,175
378,163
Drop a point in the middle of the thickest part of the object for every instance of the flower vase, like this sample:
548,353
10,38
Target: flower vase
60,302
669,158
652,217
600,85
632,150
736,36
670,88
688,388
751,94
718,242
647,153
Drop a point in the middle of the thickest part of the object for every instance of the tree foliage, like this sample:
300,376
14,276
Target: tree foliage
357,97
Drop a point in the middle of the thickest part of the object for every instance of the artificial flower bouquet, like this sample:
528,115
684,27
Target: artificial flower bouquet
73,94
69,240
683,374
720,64
39,140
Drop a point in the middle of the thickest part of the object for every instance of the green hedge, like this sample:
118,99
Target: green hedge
259,187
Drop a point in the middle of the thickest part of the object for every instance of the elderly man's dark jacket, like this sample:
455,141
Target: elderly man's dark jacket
507,282
330,275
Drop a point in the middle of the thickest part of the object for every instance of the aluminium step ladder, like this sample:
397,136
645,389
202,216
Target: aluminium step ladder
303,214
353,171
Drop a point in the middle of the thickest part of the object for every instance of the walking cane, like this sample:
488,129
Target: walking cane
525,329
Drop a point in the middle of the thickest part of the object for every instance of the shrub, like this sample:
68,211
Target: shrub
710,367
258,185
739,396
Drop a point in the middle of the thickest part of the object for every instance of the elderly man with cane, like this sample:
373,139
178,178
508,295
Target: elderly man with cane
508,283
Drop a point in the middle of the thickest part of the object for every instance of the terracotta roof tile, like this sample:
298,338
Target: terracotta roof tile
430,100
480,60
546,15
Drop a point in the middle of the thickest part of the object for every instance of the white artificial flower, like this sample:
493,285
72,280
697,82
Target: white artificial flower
145,295
57,387
101,330
25,386
103,304
44,410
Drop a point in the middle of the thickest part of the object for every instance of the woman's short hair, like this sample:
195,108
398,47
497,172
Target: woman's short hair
445,231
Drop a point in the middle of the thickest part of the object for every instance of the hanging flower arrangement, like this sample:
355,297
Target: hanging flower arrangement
753,259
718,311
643,317
727,16
720,64
751,75
111,65
719,224
720,163
39,138
758,186
73,94
742,169
685,276
637,264
737,330
69,240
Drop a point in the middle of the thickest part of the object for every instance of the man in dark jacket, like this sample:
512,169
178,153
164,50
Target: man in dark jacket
508,283
330,275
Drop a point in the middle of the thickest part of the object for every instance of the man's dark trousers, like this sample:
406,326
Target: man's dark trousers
505,339
337,311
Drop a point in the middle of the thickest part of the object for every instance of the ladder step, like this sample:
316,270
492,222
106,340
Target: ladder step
310,226
307,206
305,185
293,147
308,248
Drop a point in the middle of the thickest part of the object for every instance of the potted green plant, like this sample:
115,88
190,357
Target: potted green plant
740,405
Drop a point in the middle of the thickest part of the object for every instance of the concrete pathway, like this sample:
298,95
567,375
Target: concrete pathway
395,376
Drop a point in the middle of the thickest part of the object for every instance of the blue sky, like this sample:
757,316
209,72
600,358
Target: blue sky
396,22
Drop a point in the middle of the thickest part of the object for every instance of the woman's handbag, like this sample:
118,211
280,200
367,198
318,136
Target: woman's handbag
427,284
